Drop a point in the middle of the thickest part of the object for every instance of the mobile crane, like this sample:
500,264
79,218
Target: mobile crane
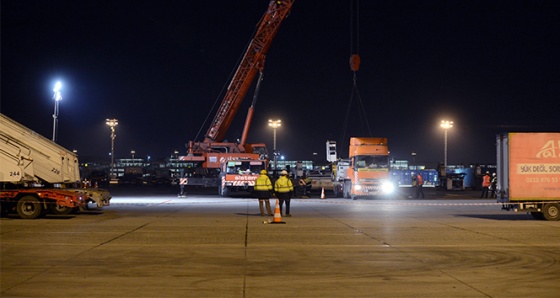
207,157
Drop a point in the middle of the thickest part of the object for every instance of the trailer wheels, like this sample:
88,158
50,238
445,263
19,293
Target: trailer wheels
551,211
29,207
59,210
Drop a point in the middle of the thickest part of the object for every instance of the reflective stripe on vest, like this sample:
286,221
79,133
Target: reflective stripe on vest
263,183
283,184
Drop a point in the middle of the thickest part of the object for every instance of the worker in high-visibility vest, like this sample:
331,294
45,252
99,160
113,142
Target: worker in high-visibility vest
419,184
262,190
305,186
486,182
493,186
283,189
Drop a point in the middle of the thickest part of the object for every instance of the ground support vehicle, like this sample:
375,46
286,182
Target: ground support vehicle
39,176
528,172
320,183
93,197
339,174
133,176
366,172
239,175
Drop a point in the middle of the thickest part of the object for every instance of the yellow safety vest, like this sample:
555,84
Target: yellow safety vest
283,184
263,183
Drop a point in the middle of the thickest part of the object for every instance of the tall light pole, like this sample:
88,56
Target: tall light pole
176,153
275,124
57,97
446,125
112,123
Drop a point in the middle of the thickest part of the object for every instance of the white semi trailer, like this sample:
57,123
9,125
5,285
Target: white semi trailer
39,176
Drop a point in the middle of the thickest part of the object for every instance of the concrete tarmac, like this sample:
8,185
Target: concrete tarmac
150,243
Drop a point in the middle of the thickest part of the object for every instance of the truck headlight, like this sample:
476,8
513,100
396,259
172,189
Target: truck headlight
357,187
387,187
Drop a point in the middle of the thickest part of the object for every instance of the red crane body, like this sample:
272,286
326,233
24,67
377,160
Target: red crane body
212,150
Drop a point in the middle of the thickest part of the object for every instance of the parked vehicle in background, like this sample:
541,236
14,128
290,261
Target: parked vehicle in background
528,172
133,175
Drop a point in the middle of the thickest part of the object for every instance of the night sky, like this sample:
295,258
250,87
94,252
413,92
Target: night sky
160,66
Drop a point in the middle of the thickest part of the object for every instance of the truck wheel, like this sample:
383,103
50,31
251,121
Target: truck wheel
537,215
59,210
551,211
29,207
89,204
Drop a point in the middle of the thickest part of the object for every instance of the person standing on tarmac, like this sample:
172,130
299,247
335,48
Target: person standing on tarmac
261,191
493,185
419,183
305,186
486,182
412,184
283,189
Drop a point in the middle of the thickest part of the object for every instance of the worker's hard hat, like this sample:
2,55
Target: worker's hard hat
493,174
264,172
283,172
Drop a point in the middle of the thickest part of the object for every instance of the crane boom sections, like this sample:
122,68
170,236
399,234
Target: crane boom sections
252,62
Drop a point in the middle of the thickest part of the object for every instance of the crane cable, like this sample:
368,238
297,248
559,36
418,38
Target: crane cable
355,66
225,86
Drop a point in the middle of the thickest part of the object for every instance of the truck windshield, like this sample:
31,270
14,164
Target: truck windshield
244,167
371,162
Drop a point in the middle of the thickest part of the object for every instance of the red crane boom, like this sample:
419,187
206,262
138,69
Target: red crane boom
213,151
252,62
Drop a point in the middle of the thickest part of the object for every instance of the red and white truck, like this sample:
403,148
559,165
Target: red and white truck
38,176
239,175
528,172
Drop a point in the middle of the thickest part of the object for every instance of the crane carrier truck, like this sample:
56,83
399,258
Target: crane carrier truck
38,176
528,172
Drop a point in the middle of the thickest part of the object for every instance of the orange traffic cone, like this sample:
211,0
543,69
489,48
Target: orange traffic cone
322,193
277,214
